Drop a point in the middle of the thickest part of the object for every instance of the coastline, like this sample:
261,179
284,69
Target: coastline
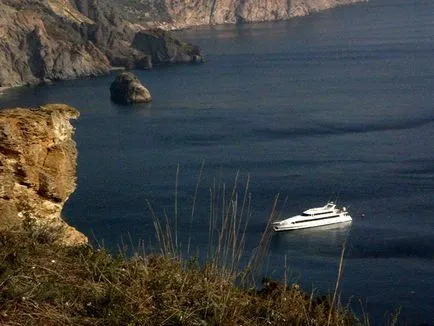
178,25
180,20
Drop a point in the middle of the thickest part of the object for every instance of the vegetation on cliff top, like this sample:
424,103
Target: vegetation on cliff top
44,284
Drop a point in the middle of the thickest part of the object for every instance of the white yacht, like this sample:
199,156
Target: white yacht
318,216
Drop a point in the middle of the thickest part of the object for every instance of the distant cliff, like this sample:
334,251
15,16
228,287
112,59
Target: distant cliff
173,14
38,170
46,40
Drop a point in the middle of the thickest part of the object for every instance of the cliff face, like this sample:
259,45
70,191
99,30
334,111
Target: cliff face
45,40
185,13
37,169
37,43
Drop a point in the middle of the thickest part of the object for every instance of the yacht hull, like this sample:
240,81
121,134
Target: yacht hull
287,225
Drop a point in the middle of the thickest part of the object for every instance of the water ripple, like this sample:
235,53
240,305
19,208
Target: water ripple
324,129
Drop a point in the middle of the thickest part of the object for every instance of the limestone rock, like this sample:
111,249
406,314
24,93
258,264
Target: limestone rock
175,14
38,44
52,40
37,168
127,89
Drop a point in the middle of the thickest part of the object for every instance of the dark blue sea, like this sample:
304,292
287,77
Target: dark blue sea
338,106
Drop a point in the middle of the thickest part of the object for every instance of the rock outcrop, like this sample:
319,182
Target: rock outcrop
39,43
63,39
175,14
164,49
127,89
37,169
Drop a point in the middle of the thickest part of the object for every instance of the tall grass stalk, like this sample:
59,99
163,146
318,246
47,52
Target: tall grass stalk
176,205
260,252
227,224
338,281
193,206
365,315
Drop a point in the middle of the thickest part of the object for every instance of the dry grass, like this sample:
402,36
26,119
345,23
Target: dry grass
42,284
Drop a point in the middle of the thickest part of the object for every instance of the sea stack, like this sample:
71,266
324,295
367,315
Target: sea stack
38,170
127,89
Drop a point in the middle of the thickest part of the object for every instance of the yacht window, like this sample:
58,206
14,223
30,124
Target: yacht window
316,214
317,219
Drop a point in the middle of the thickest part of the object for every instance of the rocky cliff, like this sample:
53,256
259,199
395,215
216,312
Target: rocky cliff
174,14
37,44
46,40
37,169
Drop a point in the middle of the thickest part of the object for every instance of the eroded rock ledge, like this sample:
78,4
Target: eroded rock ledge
38,169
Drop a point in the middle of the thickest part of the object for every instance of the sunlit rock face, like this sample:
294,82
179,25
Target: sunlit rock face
38,169
174,14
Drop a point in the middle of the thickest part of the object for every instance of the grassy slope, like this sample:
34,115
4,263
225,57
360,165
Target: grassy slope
43,284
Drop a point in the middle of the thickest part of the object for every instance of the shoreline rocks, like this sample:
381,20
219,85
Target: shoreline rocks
38,169
44,41
127,89
174,14
165,49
